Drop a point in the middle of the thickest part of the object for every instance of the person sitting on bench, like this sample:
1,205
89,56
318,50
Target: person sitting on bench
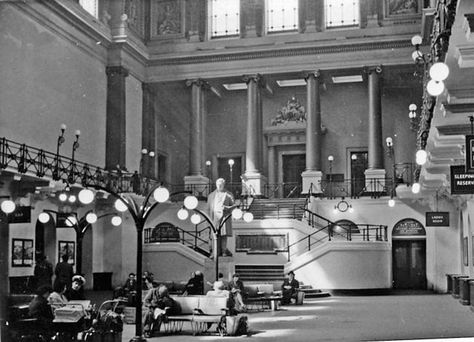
289,289
128,290
236,288
40,309
157,300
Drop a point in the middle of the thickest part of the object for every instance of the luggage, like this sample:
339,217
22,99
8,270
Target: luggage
236,325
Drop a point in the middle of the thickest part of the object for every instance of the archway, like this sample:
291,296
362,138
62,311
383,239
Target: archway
409,255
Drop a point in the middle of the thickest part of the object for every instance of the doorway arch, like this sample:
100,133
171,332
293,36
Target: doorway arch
409,255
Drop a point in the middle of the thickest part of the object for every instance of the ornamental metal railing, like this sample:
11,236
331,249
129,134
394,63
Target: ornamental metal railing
27,159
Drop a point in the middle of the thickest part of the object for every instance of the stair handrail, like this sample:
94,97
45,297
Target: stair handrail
308,237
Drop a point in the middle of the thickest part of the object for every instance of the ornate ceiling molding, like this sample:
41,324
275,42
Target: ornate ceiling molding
287,52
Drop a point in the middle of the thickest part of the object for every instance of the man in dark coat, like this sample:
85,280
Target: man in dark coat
43,271
157,300
289,288
40,309
64,271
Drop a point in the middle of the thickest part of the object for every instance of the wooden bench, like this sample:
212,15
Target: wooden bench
200,311
262,296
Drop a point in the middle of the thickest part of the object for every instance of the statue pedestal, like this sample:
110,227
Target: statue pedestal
253,184
311,179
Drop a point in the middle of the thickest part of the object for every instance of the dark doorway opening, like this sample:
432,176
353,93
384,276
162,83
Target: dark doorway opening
358,166
409,264
293,166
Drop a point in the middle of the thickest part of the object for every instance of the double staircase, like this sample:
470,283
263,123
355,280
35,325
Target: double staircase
283,208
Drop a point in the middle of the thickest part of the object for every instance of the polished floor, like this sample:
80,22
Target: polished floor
357,318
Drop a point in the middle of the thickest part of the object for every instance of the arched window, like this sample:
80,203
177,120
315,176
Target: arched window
342,13
282,15
165,232
343,227
224,18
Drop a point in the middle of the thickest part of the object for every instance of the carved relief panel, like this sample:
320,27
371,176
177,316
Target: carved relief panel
166,18
135,10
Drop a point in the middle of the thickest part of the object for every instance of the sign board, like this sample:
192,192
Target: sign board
437,219
408,227
20,215
462,183
469,153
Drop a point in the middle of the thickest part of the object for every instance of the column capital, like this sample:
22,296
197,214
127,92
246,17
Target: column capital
116,70
374,69
257,78
198,82
315,73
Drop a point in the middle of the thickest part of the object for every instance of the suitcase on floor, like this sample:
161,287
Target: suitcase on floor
299,298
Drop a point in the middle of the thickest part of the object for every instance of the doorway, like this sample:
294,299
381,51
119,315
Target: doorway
293,166
409,264
359,164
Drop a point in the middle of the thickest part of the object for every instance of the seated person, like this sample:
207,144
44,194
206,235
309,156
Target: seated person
220,277
76,292
57,298
289,288
147,283
130,285
157,300
219,290
195,285
236,288
41,310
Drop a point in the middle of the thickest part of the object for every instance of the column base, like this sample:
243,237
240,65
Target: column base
311,179
375,180
253,184
199,185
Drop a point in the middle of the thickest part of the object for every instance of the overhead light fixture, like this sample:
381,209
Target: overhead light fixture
291,83
347,79
235,86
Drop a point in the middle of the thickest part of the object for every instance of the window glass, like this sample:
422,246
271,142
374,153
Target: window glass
225,18
340,13
91,6
282,15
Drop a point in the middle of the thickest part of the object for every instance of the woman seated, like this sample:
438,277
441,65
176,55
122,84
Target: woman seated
76,292
58,298
157,300
236,287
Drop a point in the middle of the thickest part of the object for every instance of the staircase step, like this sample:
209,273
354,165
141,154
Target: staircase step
317,295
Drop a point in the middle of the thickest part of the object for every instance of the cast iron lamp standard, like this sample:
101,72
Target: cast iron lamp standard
140,214
390,152
191,203
80,227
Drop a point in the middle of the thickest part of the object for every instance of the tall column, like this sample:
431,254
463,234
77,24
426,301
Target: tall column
148,131
254,181
195,181
115,144
272,167
312,175
375,174
4,284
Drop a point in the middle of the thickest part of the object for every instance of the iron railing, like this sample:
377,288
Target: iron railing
200,239
24,159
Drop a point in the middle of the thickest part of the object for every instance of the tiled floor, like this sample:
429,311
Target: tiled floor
358,318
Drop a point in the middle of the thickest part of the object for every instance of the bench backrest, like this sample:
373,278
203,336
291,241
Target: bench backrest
188,303
253,289
211,305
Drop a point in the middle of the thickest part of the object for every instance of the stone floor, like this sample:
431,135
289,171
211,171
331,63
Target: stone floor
357,318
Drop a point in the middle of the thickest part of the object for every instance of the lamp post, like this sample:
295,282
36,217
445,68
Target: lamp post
145,171
391,155
140,214
75,146
60,141
191,203
330,160
231,165
80,227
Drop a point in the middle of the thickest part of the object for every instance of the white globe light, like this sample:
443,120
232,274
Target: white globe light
91,218
8,206
72,198
196,218
439,71
183,214
191,202
389,141
412,107
416,40
86,196
120,206
116,221
330,158
415,188
391,202
62,197
248,217
71,221
43,217
237,214
161,194
421,157
435,88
